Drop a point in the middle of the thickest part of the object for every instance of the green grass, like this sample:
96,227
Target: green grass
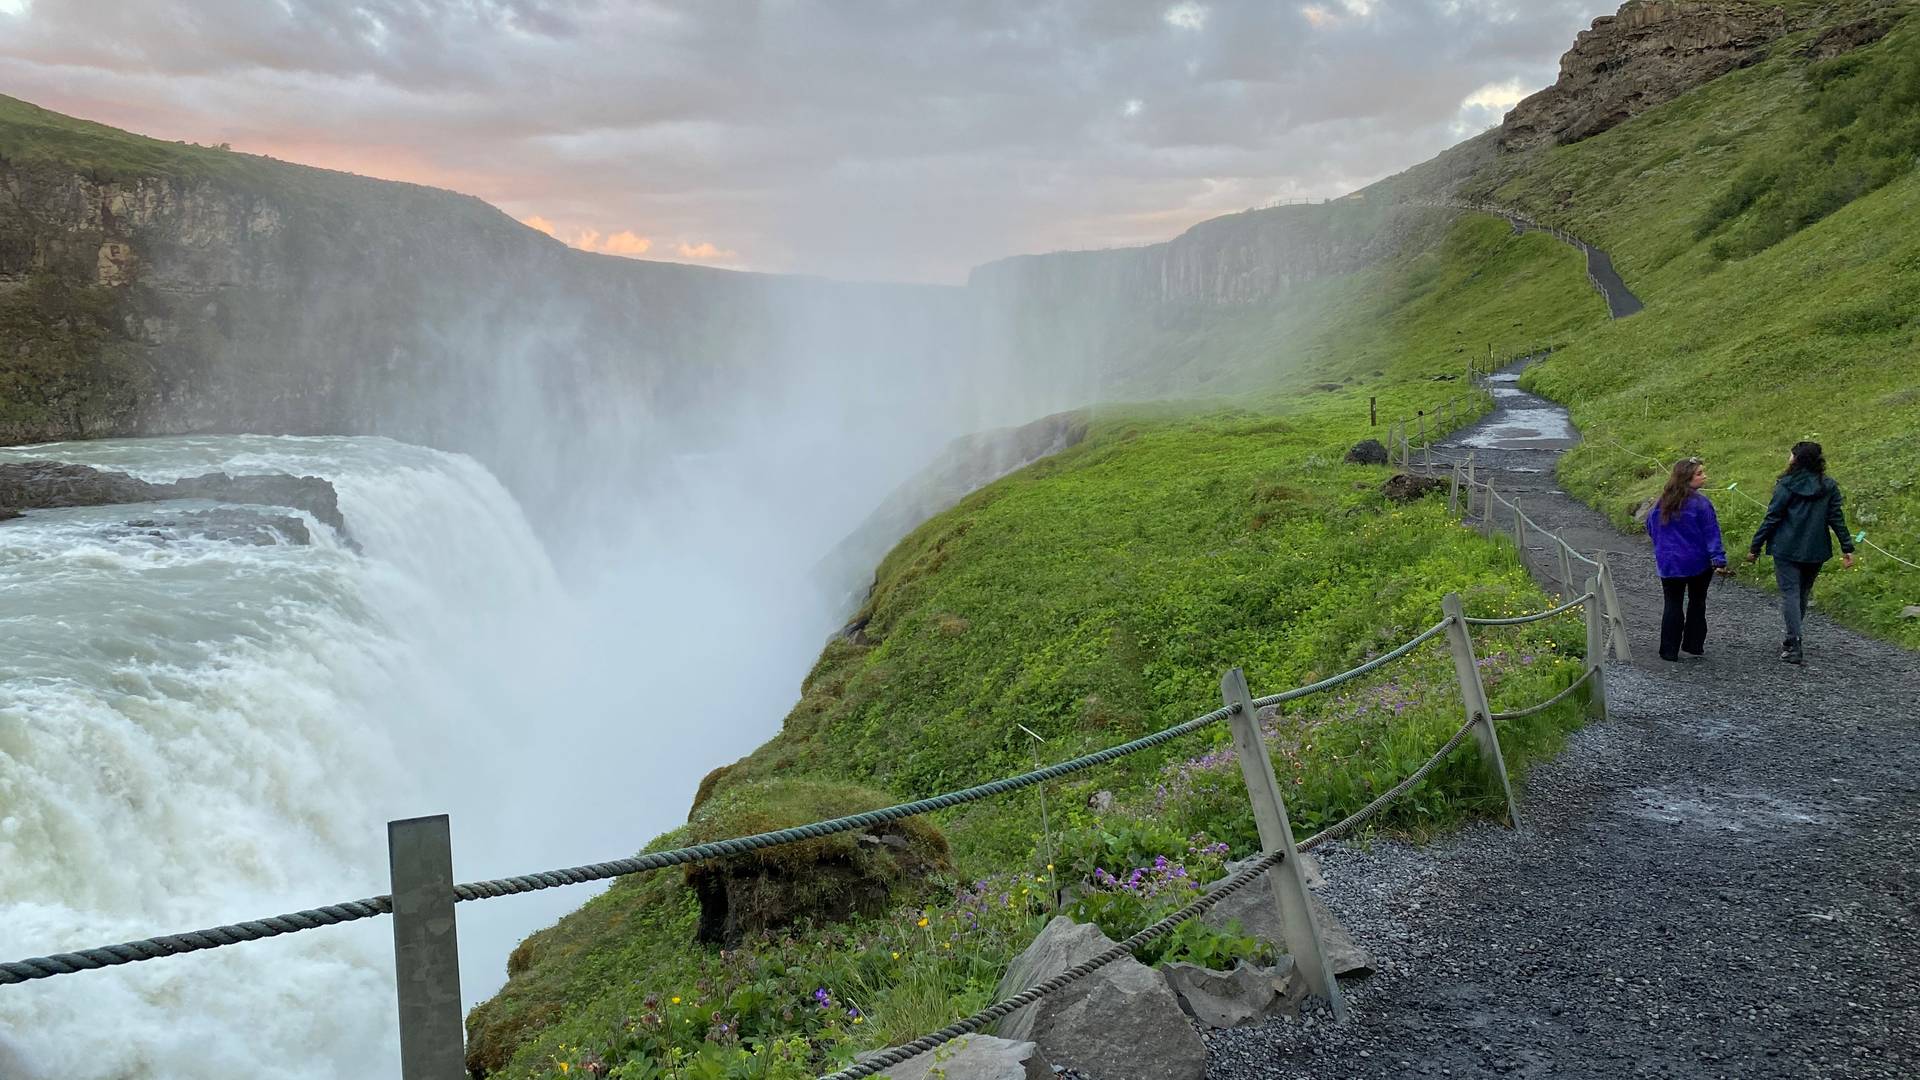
1093,597
1809,335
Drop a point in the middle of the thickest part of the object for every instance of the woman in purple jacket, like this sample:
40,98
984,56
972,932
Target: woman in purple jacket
1687,551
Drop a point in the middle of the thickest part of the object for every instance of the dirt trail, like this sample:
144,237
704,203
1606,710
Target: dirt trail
1722,880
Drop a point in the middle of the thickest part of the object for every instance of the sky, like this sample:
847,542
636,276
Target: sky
879,140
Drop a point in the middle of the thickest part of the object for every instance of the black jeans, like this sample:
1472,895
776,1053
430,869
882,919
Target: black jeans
1686,630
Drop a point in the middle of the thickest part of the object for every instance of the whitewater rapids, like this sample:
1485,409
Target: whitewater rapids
195,731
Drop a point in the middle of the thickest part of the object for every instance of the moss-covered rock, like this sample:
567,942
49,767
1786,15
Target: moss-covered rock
827,879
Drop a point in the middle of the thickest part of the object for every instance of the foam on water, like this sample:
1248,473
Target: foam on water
194,732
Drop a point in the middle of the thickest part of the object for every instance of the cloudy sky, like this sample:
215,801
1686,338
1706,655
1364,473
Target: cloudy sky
884,139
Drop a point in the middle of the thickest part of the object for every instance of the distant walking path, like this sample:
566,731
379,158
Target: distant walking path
1620,300
1722,880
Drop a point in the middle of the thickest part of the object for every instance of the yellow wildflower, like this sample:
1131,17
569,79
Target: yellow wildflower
922,922
896,956
676,1001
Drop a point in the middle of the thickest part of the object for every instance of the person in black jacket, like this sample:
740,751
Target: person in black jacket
1804,509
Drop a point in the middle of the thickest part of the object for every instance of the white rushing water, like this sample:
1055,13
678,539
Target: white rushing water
196,731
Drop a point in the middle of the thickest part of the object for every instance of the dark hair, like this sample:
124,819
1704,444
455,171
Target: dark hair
1679,486
1808,457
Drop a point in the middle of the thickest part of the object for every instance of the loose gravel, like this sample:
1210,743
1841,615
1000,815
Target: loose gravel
1721,880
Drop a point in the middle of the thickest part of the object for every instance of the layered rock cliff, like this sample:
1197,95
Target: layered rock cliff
1652,51
148,288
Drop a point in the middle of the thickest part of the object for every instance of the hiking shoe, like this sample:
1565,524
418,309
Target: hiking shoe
1790,652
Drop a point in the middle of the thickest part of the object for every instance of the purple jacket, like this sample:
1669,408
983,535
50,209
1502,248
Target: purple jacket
1688,545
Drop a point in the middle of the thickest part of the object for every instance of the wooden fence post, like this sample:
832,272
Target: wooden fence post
1276,834
1474,693
1596,688
1453,493
1520,531
1373,412
426,950
1566,567
1615,617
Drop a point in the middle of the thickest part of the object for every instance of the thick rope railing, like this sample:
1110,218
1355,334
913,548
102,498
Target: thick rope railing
658,860
1359,817
887,1059
1550,702
41,967
1518,620
1353,673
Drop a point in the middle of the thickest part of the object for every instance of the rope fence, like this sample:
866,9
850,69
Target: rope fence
424,894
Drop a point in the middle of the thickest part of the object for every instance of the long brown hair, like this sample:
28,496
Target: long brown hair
1679,486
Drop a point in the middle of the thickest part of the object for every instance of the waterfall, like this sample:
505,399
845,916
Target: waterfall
195,731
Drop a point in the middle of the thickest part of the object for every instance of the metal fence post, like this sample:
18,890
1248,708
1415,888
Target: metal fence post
1596,689
1615,618
426,953
1276,834
1474,693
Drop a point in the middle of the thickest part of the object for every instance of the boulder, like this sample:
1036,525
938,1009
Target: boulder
1367,452
1229,999
1911,611
974,1057
1256,914
1100,802
1122,1022
1406,487
827,879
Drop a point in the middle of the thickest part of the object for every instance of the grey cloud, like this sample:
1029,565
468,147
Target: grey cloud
906,140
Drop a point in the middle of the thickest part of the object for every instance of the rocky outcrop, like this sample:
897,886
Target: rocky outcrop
1648,53
826,879
1256,256
973,1057
1406,487
37,485
1230,999
1367,452
1121,1022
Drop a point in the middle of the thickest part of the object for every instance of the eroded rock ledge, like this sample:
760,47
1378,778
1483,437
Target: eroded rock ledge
41,485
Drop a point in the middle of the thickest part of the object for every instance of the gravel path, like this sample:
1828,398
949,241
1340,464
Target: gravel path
1722,880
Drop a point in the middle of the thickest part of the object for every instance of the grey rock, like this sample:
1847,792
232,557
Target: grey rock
1406,487
1122,1022
35,485
1229,999
1100,802
1367,452
1911,611
1253,910
974,1057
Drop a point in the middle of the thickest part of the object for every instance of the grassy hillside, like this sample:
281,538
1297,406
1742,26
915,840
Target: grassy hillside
1094,597
1768,220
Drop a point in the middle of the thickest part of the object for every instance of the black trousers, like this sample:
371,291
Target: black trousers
1684,629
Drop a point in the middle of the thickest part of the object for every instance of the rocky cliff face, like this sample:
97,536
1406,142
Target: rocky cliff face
1251,257
181,290
1648,53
